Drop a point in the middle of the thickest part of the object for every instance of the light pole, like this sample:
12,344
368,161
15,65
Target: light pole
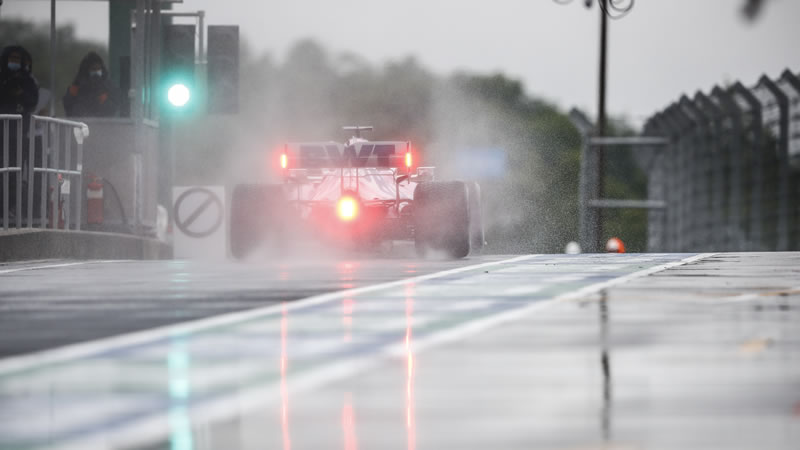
601,118
613,9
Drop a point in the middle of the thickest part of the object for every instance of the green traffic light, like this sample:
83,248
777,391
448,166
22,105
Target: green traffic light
178,95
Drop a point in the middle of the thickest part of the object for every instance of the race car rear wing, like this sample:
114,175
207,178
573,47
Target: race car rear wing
333,155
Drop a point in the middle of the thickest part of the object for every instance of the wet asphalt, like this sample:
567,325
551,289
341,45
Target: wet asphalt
548,351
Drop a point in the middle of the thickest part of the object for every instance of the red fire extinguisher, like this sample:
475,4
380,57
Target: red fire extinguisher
94,200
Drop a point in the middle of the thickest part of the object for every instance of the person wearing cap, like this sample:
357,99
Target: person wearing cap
91,94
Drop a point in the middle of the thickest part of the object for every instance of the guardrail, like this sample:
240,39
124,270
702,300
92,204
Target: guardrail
7,169
58,166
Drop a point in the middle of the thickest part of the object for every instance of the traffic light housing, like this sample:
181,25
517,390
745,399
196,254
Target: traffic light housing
223,69
177,64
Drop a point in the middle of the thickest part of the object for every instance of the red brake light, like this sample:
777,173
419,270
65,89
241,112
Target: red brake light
347,208
408,160
284,161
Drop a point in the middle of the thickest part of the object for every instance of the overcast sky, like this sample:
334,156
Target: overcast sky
661,49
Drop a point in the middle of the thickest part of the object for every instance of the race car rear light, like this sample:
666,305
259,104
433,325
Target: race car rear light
347,208
408,160
284,161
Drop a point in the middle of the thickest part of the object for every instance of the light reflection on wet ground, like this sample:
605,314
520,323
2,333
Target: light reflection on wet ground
680,359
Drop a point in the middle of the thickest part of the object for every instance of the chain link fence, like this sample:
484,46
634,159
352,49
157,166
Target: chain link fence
730,176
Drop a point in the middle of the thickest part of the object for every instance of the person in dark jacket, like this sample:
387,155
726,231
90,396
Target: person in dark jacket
19,91
91,94
19,94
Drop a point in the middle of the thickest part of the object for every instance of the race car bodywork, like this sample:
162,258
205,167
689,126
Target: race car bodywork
357,194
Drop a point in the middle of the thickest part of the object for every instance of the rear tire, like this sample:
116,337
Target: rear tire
258,215
441,218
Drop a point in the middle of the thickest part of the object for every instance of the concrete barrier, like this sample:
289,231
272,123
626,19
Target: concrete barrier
27,244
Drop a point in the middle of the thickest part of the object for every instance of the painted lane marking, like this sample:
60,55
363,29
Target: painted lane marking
85,349
56,266
523,290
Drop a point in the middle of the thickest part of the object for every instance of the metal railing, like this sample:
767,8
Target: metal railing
6,170
52,172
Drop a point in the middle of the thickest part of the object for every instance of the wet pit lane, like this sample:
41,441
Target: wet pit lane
538,351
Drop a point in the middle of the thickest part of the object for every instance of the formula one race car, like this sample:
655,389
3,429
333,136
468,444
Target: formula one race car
357,194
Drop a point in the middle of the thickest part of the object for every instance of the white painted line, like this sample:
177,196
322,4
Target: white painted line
56,266
523,290
84,349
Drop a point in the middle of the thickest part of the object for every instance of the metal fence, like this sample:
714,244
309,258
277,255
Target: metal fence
730,176
41,184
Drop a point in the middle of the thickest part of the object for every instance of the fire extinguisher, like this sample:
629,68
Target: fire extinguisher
94,200
56,215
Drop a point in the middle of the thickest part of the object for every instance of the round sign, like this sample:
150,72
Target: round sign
199,200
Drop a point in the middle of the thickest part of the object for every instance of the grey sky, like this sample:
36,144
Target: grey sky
661,49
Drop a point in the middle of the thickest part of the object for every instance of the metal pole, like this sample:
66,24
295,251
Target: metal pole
692,225
734,230
715,164
68,166
52,58
200,71
673,130
5,175
656,188
19,174
586,182
45,175
601,119
201,17
755,158
31,164
56,211
700,194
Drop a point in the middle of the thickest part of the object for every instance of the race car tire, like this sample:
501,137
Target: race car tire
441,218
258,214
476,234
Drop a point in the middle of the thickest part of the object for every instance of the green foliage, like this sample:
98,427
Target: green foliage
35,37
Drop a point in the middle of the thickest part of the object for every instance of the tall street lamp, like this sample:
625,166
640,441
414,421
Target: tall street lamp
614,9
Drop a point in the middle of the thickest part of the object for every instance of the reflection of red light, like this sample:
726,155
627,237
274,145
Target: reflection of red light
347,306
284,365
349,424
